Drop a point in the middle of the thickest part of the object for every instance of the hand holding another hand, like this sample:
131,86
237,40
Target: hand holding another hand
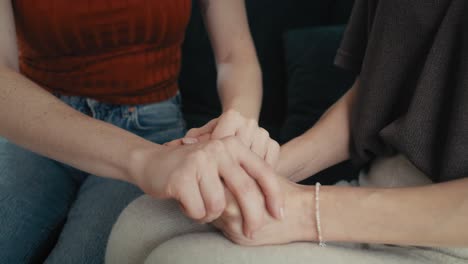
196,175
297,225
232,123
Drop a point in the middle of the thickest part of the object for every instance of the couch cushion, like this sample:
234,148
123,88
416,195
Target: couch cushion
314,84
340,11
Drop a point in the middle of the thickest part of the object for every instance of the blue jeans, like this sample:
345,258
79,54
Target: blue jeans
53,213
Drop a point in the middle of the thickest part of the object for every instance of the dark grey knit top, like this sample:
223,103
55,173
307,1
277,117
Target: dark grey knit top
412,56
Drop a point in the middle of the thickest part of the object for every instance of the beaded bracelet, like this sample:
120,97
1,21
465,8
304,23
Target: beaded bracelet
317,214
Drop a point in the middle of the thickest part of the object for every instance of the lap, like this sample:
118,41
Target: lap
100,201
156,232
144,225
213,248
35,194
151,232
97,207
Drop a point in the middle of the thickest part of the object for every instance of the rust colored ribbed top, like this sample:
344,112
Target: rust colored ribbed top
115,51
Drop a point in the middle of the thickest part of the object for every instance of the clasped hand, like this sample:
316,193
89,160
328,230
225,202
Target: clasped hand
258,226
230,155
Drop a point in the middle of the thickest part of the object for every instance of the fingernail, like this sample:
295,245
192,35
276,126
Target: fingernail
189,141
282,213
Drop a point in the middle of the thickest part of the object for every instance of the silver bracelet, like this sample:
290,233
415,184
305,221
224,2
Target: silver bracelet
317,214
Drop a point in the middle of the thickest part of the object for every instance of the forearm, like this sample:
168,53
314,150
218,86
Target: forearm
325,144
433,215
240,88
239,73
38,121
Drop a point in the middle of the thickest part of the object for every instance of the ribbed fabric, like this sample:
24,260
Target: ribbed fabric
114,51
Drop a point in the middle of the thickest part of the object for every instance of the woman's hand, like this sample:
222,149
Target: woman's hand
197,174
232,123
297,225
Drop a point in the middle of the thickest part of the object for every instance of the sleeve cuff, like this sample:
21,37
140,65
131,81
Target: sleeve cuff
347,61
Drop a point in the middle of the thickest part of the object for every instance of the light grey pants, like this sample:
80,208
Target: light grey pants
156,232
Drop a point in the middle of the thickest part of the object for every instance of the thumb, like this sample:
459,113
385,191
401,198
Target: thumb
206,129
174,143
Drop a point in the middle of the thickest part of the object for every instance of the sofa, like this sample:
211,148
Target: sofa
296,42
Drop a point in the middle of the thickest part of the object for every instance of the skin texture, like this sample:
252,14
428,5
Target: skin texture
202,197
239,73
298,213
251,135
431,215
45,125
239,79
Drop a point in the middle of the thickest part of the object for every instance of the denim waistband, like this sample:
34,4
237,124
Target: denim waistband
102,110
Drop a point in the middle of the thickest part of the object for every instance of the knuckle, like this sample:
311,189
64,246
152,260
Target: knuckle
216,206
184,181
197,157
231,211
219,206
216,146
172,191
275,145
212,217
264,133
233,141
193,211
274,148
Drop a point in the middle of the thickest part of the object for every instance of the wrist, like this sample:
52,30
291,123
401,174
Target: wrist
303,210
240,88
138,157
286,167
250,111
292,163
